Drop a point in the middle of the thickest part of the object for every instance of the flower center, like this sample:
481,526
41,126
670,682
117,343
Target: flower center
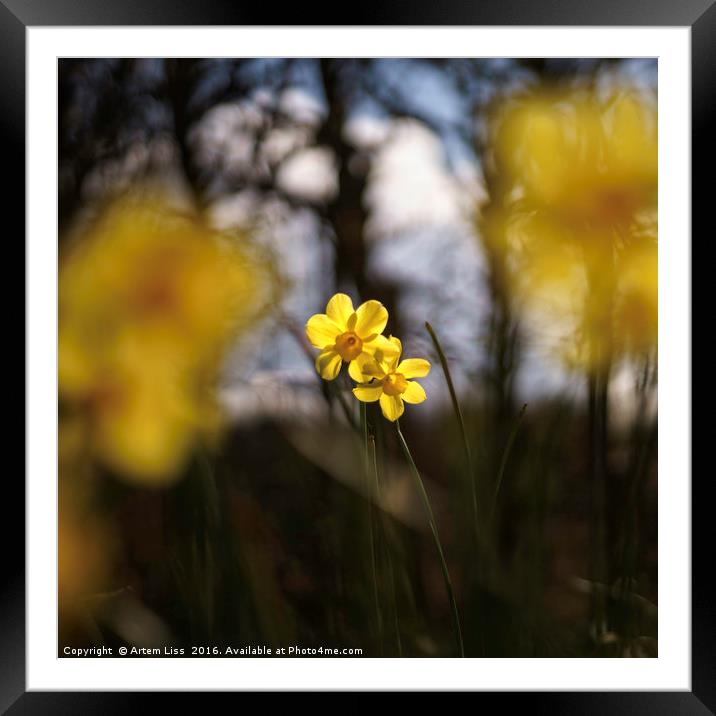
394,384
349,346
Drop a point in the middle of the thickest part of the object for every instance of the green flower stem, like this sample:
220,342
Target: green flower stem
371,494
364,438
436,538
598,385
461,422
388,557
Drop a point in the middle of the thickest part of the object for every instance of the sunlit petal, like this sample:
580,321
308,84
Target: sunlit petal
340,309
356,368
322,331
367,367
372,318
368,393
392,406
384,351
414,393
393,356
414,367
328,364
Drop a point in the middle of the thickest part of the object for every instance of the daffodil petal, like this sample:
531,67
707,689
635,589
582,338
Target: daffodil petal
383,349
322,331
376,342
414,393
368,393
392,406
371,320
340,309
328,364
413,367
366,367
393,355
355,367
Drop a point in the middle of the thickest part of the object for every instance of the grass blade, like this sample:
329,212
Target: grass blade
461,422
436,538
505,457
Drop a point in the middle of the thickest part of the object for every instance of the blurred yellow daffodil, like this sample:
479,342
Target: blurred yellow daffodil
578,223
388,380
636,307
589,159
347,335
148,301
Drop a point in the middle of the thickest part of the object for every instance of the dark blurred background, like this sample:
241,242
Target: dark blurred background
372,177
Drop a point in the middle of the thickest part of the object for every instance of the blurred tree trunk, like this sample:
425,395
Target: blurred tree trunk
181,77
345,213
82,142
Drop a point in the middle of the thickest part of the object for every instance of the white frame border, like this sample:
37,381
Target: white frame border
671,670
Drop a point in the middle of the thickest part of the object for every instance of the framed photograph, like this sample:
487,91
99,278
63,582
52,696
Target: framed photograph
353,343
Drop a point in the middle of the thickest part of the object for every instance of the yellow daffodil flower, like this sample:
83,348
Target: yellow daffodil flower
389,381
587,159
578,225
149,300
636,310
347,335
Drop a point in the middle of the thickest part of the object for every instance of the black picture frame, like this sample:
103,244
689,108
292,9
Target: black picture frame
17,15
